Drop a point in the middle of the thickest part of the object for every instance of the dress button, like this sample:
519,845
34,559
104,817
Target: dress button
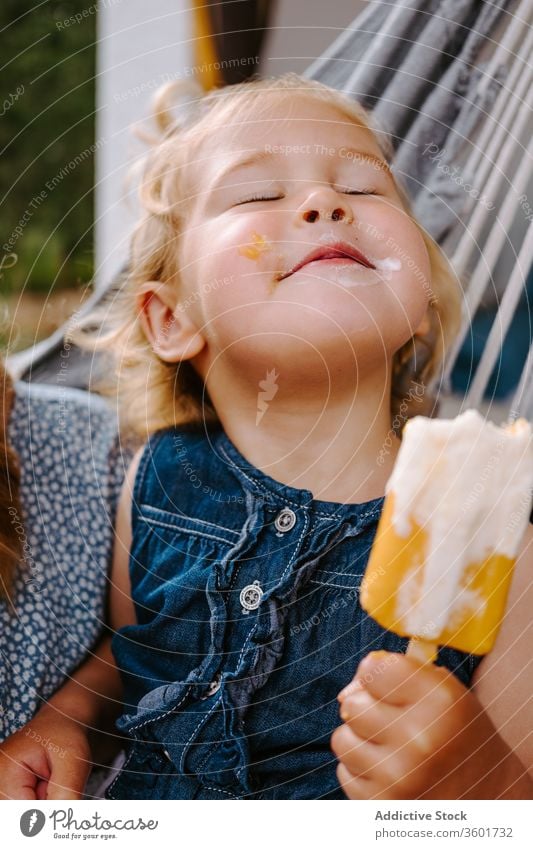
250,597
285,520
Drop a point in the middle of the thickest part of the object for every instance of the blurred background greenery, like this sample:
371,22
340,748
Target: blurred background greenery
47,140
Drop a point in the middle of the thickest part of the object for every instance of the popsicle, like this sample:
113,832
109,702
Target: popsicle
456,507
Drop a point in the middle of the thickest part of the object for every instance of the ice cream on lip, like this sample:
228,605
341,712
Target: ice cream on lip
331,247
337,249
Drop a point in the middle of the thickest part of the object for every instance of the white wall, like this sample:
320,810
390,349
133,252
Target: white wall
138,44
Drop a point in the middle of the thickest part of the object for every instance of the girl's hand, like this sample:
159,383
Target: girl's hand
415,732
49,758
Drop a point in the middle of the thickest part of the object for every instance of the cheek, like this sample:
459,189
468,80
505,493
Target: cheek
225,267
390,230
400,245
233,310
406,261
411,249
247,244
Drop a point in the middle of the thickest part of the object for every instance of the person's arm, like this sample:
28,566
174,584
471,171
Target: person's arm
502,681
413,732
50,756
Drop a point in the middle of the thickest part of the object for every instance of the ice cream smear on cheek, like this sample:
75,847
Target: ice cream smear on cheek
351,273
257,246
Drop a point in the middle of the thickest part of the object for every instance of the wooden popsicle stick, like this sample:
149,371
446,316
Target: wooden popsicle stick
422,650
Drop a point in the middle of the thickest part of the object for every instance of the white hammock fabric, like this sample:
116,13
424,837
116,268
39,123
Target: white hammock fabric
456,78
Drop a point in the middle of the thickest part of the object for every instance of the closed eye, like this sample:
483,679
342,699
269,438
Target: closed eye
256,198
346,191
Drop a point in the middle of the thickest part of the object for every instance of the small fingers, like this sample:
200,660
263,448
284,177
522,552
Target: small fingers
357,754
383,767
368,719
354,786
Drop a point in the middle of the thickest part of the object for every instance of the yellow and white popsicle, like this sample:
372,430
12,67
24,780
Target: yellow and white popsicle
456,507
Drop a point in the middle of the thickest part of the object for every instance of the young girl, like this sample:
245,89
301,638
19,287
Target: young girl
280,302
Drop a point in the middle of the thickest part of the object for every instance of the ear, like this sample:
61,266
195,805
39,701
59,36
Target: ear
172,333
424,328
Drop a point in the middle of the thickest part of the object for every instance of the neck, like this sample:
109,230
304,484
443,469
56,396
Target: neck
340,447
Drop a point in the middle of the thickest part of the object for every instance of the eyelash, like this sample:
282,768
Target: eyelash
356,192
255,198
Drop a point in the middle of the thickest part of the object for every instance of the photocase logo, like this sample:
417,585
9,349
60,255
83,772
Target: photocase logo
269,388
32,822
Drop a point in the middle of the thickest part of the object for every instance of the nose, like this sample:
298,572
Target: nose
325,204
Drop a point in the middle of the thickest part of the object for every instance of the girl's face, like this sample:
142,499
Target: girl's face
296,247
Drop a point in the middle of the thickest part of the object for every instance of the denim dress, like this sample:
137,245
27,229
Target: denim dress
246,593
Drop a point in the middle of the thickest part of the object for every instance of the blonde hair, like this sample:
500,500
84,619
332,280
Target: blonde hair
174,394
10,511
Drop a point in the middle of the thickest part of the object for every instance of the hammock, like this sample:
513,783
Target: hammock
451,81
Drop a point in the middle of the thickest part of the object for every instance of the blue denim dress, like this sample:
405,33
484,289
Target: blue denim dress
248,624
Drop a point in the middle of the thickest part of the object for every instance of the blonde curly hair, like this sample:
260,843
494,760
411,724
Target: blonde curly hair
155,394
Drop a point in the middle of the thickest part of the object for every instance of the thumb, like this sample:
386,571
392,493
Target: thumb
68,778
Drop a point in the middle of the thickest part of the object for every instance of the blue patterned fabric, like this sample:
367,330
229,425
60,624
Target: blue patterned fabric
72,468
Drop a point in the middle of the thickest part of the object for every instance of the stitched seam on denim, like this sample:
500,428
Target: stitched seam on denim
239,565
202,534
203,719
235,576
250,480
156,718
122,768
193,519
219,790
346,574
271,495
236,572
333,586
245,644
207,756
306,524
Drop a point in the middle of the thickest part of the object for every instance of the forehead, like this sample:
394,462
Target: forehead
289,122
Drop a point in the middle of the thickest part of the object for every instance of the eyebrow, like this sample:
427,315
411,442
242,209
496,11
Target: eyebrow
245,162
258,156
381,164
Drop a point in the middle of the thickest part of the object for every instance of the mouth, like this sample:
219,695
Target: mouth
339,250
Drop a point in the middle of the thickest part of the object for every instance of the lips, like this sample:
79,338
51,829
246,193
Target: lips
339,250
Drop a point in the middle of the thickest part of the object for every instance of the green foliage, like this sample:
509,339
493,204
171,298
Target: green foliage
47,144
